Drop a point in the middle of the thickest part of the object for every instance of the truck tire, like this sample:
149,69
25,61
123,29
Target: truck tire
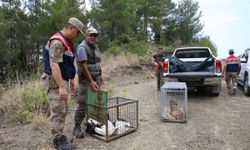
215,90
246,87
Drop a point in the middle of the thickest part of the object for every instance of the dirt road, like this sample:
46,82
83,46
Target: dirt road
218,123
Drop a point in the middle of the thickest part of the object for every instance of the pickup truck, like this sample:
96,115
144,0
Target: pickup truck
196,66
243,78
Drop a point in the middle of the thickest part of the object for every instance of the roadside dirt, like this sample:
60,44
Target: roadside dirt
218,123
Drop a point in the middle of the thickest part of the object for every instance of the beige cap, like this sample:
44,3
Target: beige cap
91,30
77,23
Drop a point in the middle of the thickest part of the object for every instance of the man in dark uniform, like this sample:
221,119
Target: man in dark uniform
158,59
231,68
89,74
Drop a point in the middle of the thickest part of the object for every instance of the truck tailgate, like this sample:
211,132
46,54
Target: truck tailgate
193,75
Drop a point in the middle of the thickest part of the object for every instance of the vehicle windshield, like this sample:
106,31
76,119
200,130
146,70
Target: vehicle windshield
192,53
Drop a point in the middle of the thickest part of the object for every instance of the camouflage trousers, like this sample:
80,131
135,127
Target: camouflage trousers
58,108
231,80
82,99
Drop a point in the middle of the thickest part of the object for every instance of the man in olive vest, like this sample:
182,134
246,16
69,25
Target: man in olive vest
89,75
59,73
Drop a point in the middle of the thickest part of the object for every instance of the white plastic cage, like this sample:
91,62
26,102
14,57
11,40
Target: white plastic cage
173,102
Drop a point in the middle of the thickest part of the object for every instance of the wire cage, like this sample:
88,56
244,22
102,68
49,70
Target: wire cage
115,117
173,102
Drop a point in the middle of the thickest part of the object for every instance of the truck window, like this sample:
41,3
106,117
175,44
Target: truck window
192,53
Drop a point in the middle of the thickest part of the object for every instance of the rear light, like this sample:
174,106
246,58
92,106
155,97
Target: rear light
218,66
165,66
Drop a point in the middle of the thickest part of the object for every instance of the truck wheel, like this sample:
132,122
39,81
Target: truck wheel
215,90
246,87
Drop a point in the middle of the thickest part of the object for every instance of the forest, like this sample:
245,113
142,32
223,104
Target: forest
125,26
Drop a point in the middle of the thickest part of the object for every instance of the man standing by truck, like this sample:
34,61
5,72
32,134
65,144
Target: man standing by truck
158,59
231,68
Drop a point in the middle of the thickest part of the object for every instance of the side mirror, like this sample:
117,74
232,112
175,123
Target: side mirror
243,60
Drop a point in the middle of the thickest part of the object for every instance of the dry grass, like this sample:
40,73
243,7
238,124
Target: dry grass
34,96
47,148
2,89
16,102
109,87
40,121
111,63
10,100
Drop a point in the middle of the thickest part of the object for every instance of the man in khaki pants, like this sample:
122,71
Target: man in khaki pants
231,68
89,73
60,71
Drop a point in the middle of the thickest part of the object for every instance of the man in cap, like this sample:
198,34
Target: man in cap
60,72
231,68
89,74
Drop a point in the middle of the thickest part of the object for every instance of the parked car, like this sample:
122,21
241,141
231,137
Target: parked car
244,75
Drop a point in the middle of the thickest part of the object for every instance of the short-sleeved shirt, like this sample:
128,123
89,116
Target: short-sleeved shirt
56,51
81,54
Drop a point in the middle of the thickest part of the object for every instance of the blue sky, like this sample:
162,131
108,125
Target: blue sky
227,22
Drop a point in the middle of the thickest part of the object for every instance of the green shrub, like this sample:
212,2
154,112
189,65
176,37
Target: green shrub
125,94
137,47
115,51
21,115
33,96
109,87
2,89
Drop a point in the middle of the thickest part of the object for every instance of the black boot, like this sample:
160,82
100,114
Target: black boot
61,142
90,128
77,132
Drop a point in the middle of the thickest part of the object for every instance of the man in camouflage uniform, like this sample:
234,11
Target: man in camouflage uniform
231,68
59,69
89,75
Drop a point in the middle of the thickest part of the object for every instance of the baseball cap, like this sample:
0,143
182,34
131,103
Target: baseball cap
91,30
231,51
77,23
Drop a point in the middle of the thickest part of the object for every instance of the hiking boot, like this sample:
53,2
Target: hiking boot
77,132
61,142
90,128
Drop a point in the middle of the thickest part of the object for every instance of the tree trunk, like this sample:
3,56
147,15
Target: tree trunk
145,24
37,57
